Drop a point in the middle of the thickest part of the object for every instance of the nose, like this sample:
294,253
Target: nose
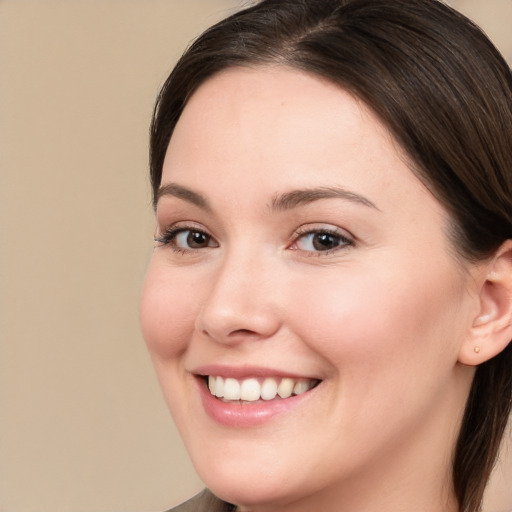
241,304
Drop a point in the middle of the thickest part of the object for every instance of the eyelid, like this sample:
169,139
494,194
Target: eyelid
162,232
308,229
167,236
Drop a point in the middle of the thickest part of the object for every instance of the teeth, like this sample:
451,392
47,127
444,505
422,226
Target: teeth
269,389
231,389
211,384
251,390
219,387
300,387
285,389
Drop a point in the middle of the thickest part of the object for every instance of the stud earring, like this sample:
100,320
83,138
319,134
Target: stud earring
477,350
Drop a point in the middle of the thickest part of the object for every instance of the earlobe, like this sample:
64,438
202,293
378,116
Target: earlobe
491,331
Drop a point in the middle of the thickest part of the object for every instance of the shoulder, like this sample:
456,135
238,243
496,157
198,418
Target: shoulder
205,501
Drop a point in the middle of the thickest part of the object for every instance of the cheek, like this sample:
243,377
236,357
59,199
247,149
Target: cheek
370,316
168,310
389,343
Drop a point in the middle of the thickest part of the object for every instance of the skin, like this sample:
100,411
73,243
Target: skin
380,319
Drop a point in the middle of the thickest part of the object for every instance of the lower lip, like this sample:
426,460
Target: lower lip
249,414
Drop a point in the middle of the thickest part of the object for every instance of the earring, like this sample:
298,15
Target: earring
477,350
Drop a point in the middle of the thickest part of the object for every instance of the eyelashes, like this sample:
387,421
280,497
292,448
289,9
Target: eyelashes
184,239
320,240
308,240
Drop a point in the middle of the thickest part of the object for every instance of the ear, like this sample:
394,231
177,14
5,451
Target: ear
491,331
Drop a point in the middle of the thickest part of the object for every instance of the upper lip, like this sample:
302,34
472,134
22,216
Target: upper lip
245,371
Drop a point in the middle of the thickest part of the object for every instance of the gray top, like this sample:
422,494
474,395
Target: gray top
205,501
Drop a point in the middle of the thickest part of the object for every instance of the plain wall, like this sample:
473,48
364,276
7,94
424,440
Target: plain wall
83,426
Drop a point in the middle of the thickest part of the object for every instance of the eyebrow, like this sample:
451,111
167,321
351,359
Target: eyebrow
295,198
280,202
175,190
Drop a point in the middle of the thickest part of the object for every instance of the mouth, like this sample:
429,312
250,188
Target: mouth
254,389
247,397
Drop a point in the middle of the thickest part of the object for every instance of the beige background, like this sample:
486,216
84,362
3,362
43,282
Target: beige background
82,423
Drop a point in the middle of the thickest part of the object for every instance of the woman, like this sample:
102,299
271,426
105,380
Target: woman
329,303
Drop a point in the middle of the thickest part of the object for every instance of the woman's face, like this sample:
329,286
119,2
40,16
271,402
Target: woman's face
296,248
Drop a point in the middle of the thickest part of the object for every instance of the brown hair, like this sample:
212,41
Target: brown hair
445,93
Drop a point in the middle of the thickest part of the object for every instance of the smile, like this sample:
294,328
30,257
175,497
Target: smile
247,397
254,389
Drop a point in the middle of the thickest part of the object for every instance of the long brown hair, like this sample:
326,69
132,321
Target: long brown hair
445,93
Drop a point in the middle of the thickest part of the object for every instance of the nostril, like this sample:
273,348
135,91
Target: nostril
243,331
235,326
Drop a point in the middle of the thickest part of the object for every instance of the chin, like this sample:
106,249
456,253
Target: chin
241,481
255,480
249,490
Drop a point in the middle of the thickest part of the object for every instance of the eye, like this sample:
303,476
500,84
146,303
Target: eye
184,239
324,241
192,239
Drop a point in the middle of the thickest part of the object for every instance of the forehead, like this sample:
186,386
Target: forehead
271,129
264,96
249,116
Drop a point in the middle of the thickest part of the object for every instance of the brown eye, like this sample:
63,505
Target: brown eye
321,241
196,239
325,241
183,239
